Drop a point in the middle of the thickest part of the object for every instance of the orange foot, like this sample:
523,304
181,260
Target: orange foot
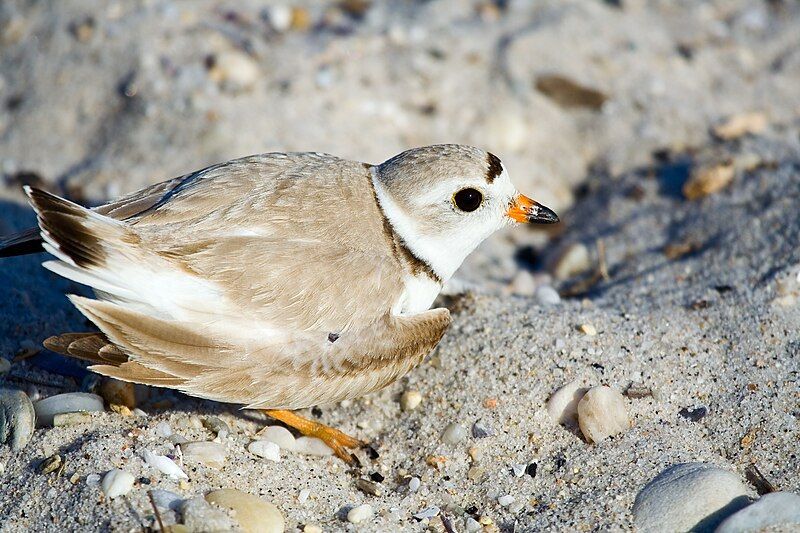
339,442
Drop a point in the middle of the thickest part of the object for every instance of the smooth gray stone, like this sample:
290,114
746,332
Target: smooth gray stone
71,402
17,418
775,509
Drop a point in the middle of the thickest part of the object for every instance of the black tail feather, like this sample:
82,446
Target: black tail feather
22,243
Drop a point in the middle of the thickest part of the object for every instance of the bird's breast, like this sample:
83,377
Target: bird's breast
418,294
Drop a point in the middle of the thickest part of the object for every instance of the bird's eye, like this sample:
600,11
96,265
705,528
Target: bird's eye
468,199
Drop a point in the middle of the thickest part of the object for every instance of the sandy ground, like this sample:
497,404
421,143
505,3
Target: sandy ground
700,303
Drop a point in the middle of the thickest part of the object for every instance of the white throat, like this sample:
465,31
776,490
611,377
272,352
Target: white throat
441,254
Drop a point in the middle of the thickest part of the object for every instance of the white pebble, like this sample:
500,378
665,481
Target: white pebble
117,483
686,494
312,446
166,499
428,512
454,433
303,496
211,454
236,71
280,17
253,514
359,514
472,525
771,510
506,500
547,295
93,480
602,413
414,484
266,449
518,469
279,435
163,429
164,464
573,260
563,404
410,400
71,402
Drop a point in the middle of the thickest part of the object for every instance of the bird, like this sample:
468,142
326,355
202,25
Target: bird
278,281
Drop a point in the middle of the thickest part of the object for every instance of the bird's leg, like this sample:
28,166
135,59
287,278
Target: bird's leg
335,439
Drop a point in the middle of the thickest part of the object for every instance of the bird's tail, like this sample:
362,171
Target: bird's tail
22,243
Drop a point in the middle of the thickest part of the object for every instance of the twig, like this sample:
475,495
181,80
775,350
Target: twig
761,483
155,510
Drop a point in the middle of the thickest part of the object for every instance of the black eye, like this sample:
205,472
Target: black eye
468,199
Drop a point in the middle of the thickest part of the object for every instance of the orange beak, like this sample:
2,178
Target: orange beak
527,211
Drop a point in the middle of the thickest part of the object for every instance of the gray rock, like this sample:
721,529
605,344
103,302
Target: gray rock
453,433
775,509
166,499
71,402
689,496
547,295
17,418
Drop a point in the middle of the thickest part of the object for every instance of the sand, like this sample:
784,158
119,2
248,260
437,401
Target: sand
700,303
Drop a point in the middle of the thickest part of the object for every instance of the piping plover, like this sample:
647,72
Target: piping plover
277,281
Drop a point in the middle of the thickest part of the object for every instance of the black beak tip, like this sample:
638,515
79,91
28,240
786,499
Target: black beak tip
544,215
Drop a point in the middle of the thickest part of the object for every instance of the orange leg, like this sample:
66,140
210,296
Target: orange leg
338,441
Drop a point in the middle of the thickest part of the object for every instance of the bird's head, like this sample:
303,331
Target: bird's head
444,200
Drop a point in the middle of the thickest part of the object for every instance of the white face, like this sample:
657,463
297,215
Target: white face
445,222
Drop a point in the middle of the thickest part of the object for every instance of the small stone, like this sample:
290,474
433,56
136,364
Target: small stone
280,436
303,496
5,366
254,514
301,19
695,414
369,487
563,404
312,446
518,469
280,17
50,464
454,433
217,426
211,454
588,329
472,525
689,496
516,507
708,180
117,483
120,409
573,260
163,429
506,500
71,419
428,512
481,431
200,515
235,71
17,419
531,469
414,484
92,480
266,449
71,402
164,464
410,400
752,122
118,392
166,499
568,93
359,514
547,295
475,473
636,392
602,413
770,511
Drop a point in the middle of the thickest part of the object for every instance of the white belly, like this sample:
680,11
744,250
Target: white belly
418,296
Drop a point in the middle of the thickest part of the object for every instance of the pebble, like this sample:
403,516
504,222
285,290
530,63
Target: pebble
254,514
523,284
414,484
118,392
709,180
70,402
163,429
547,295
166,499
266,449
369,487
685,496
771,510
164,464
472,525
5,366
17,419
410,400
71,419
303,496
588,329
279,435
602,413
200,515
475,473
742,124
563,404
312,528
116,483
481,430
506,500
50,464
93,480
454,433
211,454
235,71
359,514
428,513
518,469
573,260
217,426
312,446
